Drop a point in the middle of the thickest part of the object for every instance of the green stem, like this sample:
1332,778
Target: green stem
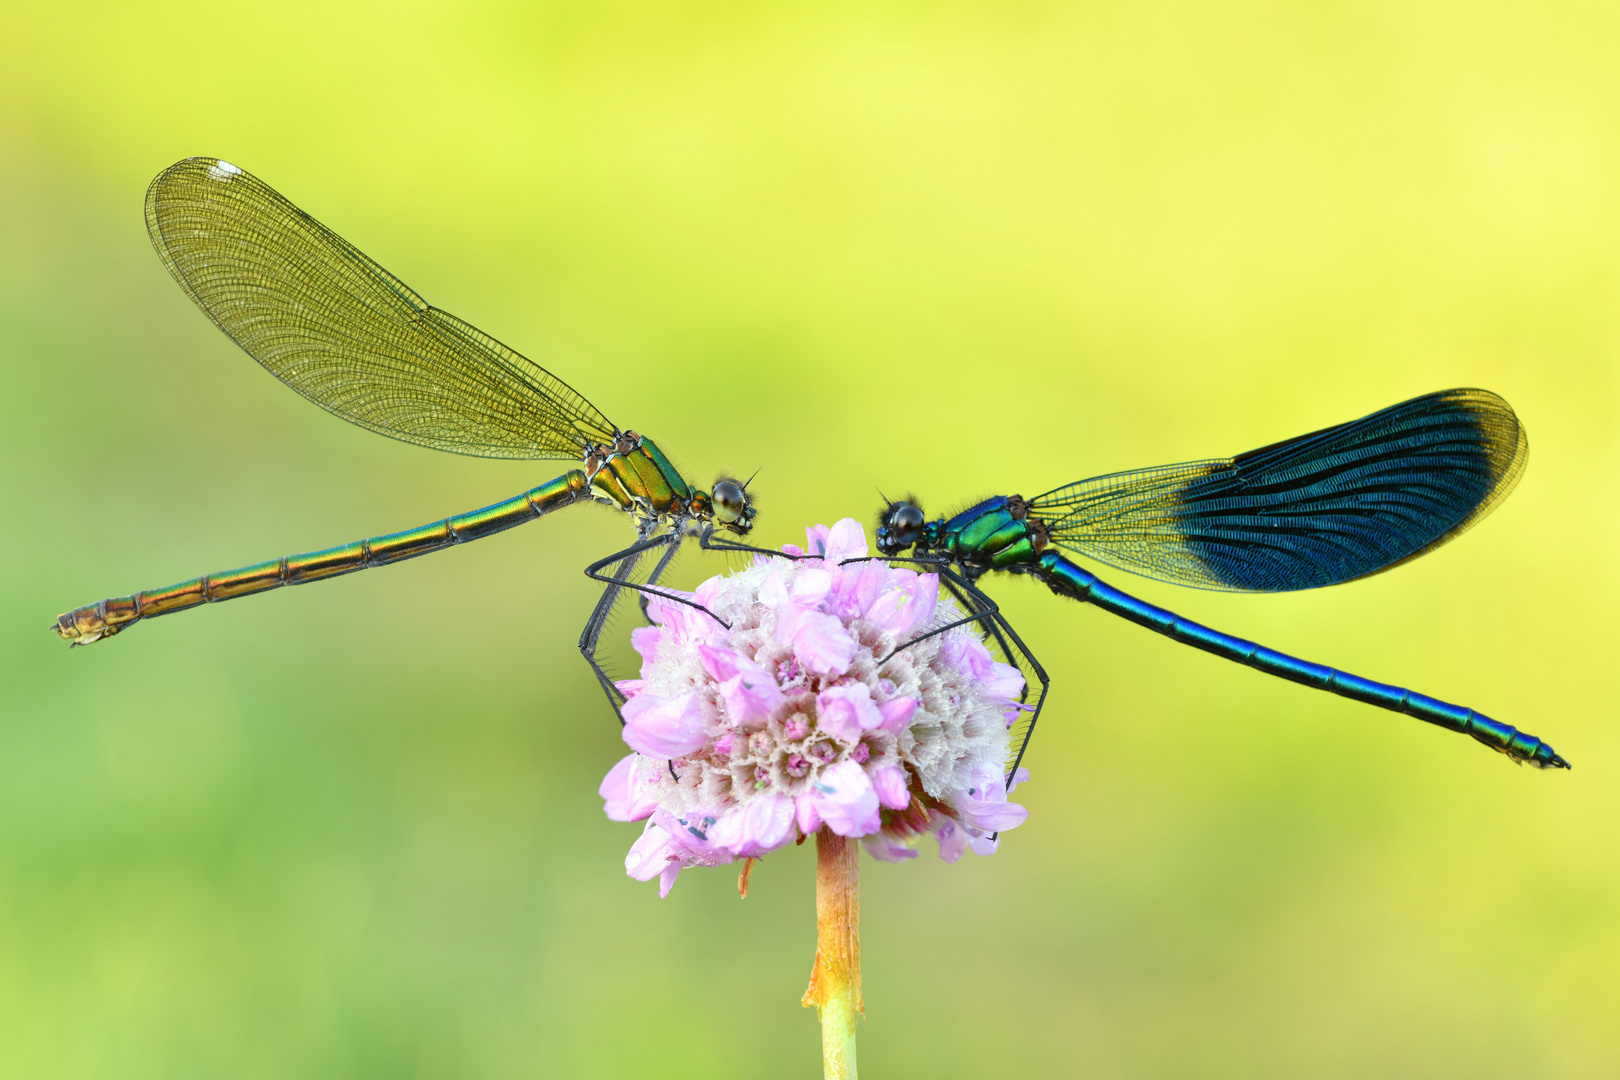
835,981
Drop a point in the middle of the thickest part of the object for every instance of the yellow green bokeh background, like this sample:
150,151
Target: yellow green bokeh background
353,831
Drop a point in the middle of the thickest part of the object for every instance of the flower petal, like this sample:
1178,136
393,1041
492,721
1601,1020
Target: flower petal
652,851
773,591
1002,680
897,713
984,806
881,847
889,781
952,840
906,603
846,540
721,664
663,727
810,586
751,697
845,800
622,798
847,712
757,827
805,815
992,817
819,640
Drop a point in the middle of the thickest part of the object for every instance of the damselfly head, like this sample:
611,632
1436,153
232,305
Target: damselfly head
730,506
900,525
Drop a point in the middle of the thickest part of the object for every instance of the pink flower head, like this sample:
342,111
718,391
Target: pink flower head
820,707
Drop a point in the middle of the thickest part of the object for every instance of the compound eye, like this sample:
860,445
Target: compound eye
907,520
729,502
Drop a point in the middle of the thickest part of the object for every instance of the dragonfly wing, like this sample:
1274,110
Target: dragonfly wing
347,334
1337,504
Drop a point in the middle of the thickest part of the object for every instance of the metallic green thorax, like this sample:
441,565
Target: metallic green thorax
997,534
632,474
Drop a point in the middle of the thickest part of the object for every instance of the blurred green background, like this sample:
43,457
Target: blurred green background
352,830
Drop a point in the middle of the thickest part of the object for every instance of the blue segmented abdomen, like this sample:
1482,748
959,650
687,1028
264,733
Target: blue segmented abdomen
1067,579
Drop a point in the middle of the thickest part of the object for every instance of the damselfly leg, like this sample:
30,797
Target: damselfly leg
614,585
987,613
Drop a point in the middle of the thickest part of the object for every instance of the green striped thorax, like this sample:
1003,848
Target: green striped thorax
634,475
996,534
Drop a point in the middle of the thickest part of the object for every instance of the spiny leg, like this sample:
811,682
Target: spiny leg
594,626
991,611
593,572
1040,673
1034,664
614,583
990,627
707,542
645,598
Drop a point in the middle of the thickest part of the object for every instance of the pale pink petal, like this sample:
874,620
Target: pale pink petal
815,540
805,816
663,728
897,713
666,846
857,587
881,847
644,639
773,591
847,712
689,836
622,796
705,596
845,540
1021,776
750,692
810,586
752,695
984,806
889,781
991,817
631,687
757,827
952,840
819,640
906,603
720,663
663,609
846,801
1002,680
650,854
982,845
967,653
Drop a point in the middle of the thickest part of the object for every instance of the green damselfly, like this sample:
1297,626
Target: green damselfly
354,339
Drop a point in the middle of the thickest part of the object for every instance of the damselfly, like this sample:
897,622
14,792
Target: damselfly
1332,506
349,336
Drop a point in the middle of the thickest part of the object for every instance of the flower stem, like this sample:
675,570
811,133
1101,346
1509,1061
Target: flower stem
835,981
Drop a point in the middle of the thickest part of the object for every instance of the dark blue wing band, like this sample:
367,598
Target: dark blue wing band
1323,508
